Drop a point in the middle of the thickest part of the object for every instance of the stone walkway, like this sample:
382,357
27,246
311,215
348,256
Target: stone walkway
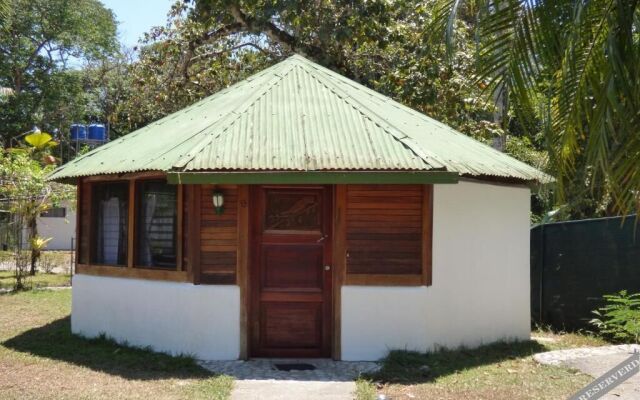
260,379
595,361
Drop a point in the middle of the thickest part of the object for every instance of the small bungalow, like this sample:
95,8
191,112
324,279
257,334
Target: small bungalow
300,214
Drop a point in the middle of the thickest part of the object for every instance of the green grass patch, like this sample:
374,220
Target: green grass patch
495,371
39,280
35,336
55,341
560,340
410,366
365,389
215,388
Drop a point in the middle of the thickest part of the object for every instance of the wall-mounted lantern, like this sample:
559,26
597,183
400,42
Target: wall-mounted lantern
218,201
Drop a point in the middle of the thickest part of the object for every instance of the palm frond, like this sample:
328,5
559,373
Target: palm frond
445,17
576,65
597,99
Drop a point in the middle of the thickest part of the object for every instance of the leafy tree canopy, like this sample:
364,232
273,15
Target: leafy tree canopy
208,45
39,40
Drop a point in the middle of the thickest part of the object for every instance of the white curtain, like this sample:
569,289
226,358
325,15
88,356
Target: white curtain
145,254
110,230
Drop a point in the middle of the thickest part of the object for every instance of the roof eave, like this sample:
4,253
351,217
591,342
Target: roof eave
313,177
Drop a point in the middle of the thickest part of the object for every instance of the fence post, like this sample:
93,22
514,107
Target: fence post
541,267
71,259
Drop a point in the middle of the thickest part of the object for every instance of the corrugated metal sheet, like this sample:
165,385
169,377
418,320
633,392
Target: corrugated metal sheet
297,116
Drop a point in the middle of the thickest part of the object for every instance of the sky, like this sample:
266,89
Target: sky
135,17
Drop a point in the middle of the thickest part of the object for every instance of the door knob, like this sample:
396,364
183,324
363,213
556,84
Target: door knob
327,267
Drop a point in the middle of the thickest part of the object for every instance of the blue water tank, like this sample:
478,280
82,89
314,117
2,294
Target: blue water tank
78,132
97,132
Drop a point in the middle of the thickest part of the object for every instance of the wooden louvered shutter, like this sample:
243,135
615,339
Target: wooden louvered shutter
218,236
388,234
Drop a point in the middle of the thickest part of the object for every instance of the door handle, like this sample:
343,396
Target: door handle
327,267
322,238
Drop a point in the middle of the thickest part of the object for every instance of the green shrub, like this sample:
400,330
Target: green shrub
619,319
52,259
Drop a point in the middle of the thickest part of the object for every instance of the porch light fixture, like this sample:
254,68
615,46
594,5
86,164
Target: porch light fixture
218,201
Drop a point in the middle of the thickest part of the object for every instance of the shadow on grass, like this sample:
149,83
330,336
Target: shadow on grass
55,341
410,367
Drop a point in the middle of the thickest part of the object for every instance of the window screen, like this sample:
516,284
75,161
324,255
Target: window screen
109,221
54,212
156,221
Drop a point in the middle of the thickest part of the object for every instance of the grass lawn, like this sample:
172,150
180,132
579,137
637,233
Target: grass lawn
40,279
495,372
40,359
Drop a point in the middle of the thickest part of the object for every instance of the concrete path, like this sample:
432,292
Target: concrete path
294,390
595,361
260,379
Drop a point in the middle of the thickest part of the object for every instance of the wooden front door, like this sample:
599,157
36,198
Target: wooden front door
290,283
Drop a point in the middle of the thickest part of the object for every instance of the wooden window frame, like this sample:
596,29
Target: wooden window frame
422,279
131,270
48,213
133,212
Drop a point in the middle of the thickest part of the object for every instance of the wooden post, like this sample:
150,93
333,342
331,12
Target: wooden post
339,265
427,234
243,266
194,232
179,227
132,220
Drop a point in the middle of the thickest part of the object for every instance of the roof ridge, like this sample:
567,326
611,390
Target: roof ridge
406,140
248,103
309,118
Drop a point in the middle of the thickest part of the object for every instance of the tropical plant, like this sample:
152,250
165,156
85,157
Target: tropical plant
40,140
40,145
573,64
50,260
25,193
619,319
37,244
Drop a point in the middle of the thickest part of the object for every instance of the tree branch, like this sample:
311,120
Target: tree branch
237,47
274,33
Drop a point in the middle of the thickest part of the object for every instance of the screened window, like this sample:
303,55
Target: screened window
54,212
110,204
156,224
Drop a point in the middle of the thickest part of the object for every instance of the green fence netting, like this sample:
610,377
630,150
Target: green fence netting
575,263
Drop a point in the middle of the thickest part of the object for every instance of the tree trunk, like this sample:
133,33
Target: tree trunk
500,117
35,253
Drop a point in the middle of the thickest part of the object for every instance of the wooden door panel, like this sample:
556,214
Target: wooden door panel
291,266
292,325
292,210
290,310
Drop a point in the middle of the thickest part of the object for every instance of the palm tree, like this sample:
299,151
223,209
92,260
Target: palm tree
574,65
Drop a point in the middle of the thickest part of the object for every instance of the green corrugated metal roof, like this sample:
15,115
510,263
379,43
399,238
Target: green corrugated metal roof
297,116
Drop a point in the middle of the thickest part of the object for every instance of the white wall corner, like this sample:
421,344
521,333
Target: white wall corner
480,292
171,317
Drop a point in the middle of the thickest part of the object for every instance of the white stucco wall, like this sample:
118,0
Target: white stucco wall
480,290
60,230
171,317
